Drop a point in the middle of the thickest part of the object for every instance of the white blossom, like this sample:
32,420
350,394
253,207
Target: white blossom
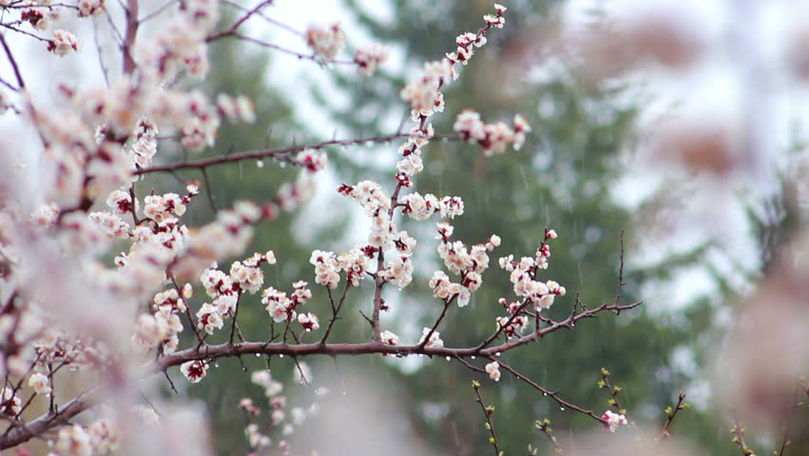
63,42
613,420
434,341
325,41
493,369
369,58
74,440
40,383
389,338
195,370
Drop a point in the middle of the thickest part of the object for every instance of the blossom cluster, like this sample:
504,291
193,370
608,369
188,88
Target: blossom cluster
613,420
282,307
236,109
281,416
63,42
100,437
325,41
422,207
523,276
423,91
311,160
493,369
159,328
433,339
369,58
181,45
383,237
328,267
224,290
494,137
468,262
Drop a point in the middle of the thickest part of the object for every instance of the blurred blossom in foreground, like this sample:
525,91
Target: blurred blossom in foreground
765,355
628,444
644,37
361,417
707,147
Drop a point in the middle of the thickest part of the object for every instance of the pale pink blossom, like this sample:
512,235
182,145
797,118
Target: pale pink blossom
613,420
63,42
493,369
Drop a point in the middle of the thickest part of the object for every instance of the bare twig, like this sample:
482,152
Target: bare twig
613,391
671,413
552,394
544,426
738,436
265,18
158,11
447,303
232,29
335,311
488,410
785,442
300,56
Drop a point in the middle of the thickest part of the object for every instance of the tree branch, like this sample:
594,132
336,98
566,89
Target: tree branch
232,29
42,424
278,154
553,394
130,35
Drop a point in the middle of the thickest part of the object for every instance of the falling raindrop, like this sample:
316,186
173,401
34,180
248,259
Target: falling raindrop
260,163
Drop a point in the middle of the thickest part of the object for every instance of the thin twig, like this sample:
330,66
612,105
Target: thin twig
738,436
300,56
232,29
335,311
438,321
544,426
488,410
671,413
553,394
266,18
13,62
158,11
